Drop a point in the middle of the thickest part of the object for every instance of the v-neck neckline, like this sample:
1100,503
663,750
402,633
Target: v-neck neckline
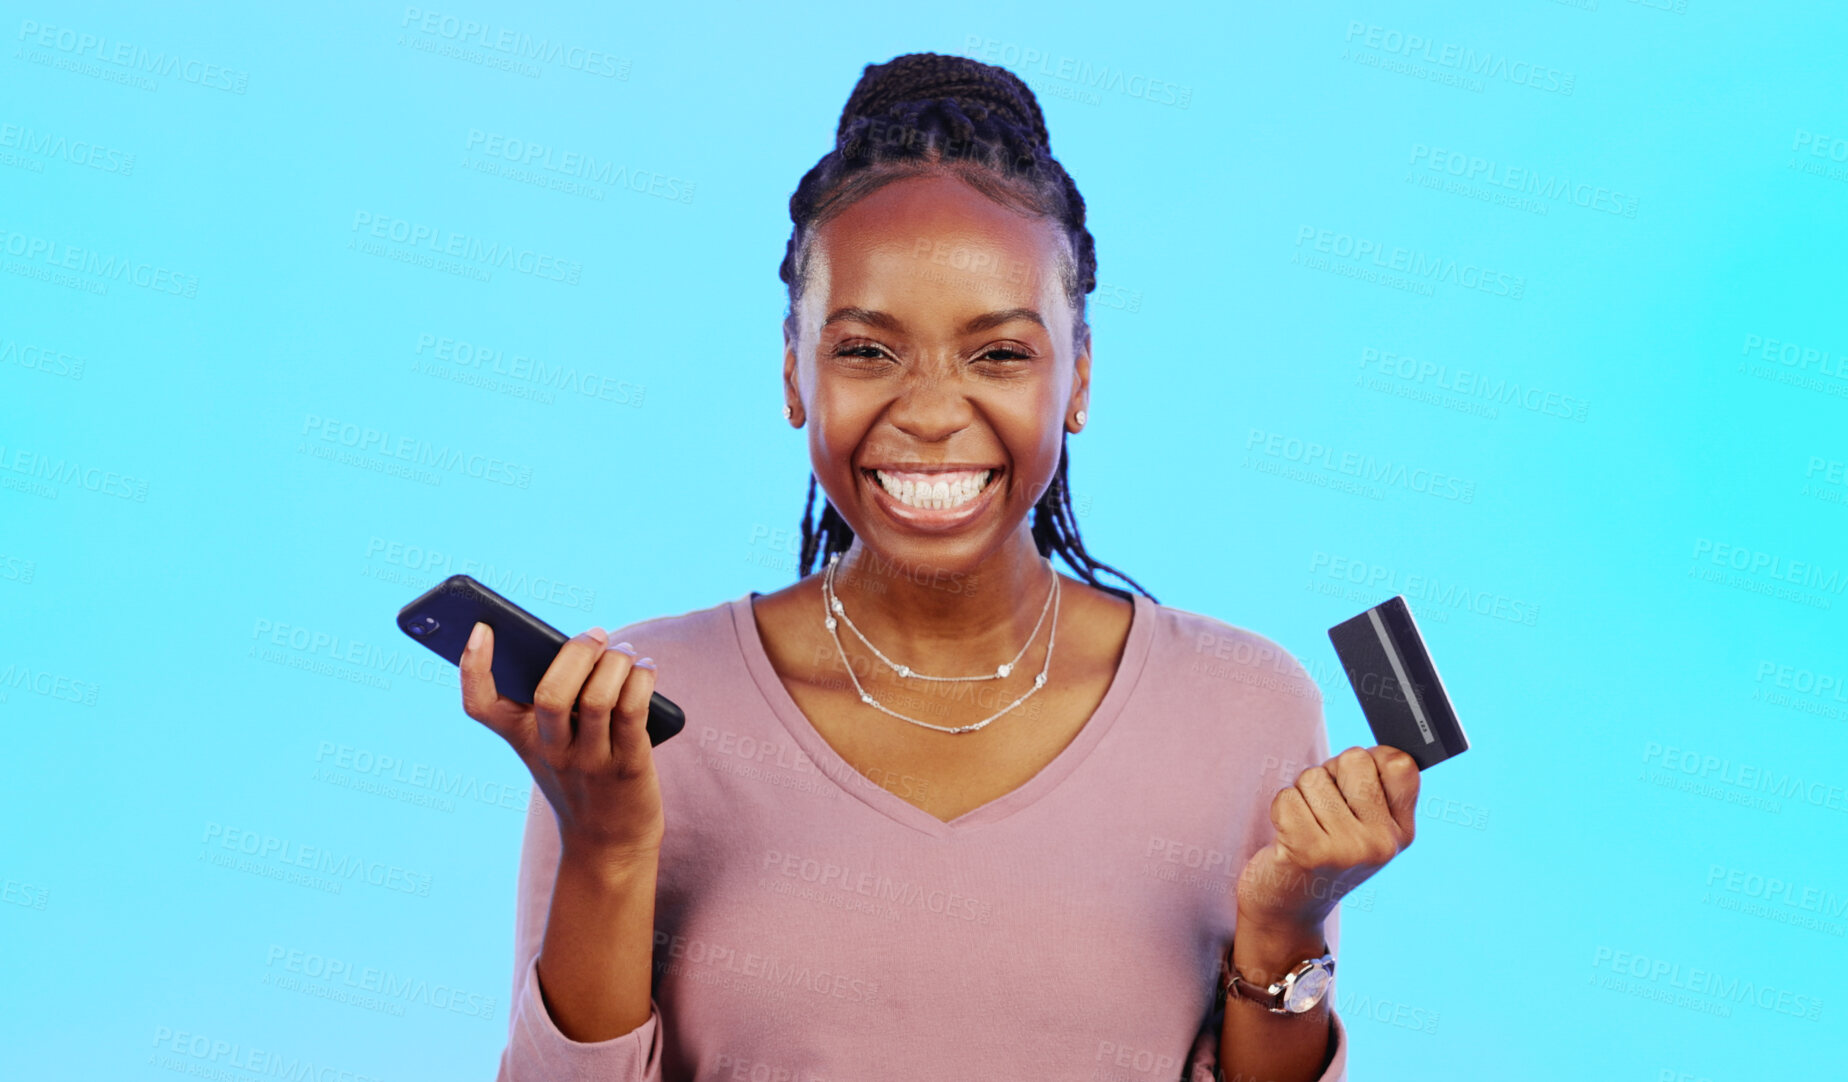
770,688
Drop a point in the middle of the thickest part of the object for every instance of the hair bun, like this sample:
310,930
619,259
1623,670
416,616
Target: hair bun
936,76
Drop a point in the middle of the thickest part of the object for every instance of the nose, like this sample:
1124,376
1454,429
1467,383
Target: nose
932,404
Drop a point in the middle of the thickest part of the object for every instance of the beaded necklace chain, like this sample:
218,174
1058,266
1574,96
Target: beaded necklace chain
832,608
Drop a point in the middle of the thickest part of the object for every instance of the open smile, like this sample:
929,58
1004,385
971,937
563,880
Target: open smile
934,498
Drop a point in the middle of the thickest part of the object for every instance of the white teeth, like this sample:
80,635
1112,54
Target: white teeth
941,496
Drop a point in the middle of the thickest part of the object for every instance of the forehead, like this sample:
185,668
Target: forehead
935,239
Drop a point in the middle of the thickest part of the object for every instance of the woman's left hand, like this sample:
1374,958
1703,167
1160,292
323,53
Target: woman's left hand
1341,822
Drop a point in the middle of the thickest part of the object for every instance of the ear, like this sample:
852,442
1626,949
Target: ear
792,393
1081,385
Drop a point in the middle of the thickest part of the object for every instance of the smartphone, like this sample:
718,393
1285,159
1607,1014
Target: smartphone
1392,673
524,645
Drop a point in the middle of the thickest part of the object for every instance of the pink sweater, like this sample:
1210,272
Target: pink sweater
813,925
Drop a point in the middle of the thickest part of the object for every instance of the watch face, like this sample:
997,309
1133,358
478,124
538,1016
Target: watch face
1306,991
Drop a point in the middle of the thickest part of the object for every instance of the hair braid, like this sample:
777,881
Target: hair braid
932,113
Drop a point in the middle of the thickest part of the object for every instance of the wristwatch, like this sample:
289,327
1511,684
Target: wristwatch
1299,990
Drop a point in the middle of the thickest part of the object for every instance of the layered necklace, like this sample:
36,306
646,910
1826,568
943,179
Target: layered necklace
831,609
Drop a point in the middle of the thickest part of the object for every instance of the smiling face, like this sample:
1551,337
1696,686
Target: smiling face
933,360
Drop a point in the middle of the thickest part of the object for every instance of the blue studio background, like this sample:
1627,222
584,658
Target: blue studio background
1531,311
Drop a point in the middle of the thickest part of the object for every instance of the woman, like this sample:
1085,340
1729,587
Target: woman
939,811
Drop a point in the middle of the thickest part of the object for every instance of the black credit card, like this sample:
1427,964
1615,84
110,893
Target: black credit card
1397,683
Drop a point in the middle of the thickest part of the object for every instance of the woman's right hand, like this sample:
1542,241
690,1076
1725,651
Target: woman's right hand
596,769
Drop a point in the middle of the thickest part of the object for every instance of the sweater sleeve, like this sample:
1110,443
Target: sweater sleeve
1300,716
536,1051
1203,1063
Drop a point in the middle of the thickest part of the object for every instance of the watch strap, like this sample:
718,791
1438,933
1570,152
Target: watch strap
1233,985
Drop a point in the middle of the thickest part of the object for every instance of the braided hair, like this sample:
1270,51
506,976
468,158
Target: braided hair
931,113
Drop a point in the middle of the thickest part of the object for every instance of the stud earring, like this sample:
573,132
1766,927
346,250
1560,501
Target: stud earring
1080,418
787,411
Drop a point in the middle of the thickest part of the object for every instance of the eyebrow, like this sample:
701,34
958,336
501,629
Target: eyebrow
890,322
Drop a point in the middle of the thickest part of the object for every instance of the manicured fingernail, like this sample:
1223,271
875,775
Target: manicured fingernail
474,637
644,663
624,647
598,634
